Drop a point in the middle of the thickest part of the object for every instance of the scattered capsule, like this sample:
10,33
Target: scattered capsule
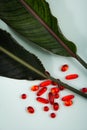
45,83
68,103
54,83
52,115
67,97
46,108
24,96
55,106
35,88
84,90
71,76
41,91
56,95
42,100
51,98
61,87
64,67
54,90
30,109
46,72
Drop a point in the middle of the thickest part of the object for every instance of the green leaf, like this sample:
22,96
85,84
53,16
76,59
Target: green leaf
33,19
16,62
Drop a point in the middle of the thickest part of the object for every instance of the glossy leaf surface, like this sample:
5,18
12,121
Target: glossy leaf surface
16,62
18,17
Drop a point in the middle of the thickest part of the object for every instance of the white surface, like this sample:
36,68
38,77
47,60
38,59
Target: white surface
13,116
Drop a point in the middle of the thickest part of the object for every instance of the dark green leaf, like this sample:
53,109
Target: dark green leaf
16,62
18,17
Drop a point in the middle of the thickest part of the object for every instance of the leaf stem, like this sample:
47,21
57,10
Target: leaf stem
40,73
81,61
68,87
30,10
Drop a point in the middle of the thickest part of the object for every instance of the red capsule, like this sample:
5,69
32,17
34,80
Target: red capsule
24,96
45,83
54,90
52,115
46,72
84,90
71,76
51,98
64,67
56,95
54,83
42,100
68,103
55,106
67,97
46,108
30,109
61,87
41,91
35,88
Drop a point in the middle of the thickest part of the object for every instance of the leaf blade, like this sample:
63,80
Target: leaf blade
32,29
17,57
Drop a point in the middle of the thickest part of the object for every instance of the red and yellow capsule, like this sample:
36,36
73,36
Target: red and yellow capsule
42,100
54,90
71,76
64,67
67,97
30,109
41,91
45,83
68,103
35,88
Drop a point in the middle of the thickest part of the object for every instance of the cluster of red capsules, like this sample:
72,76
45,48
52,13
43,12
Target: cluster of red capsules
52,94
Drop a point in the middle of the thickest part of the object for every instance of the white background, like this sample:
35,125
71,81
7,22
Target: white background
72,19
